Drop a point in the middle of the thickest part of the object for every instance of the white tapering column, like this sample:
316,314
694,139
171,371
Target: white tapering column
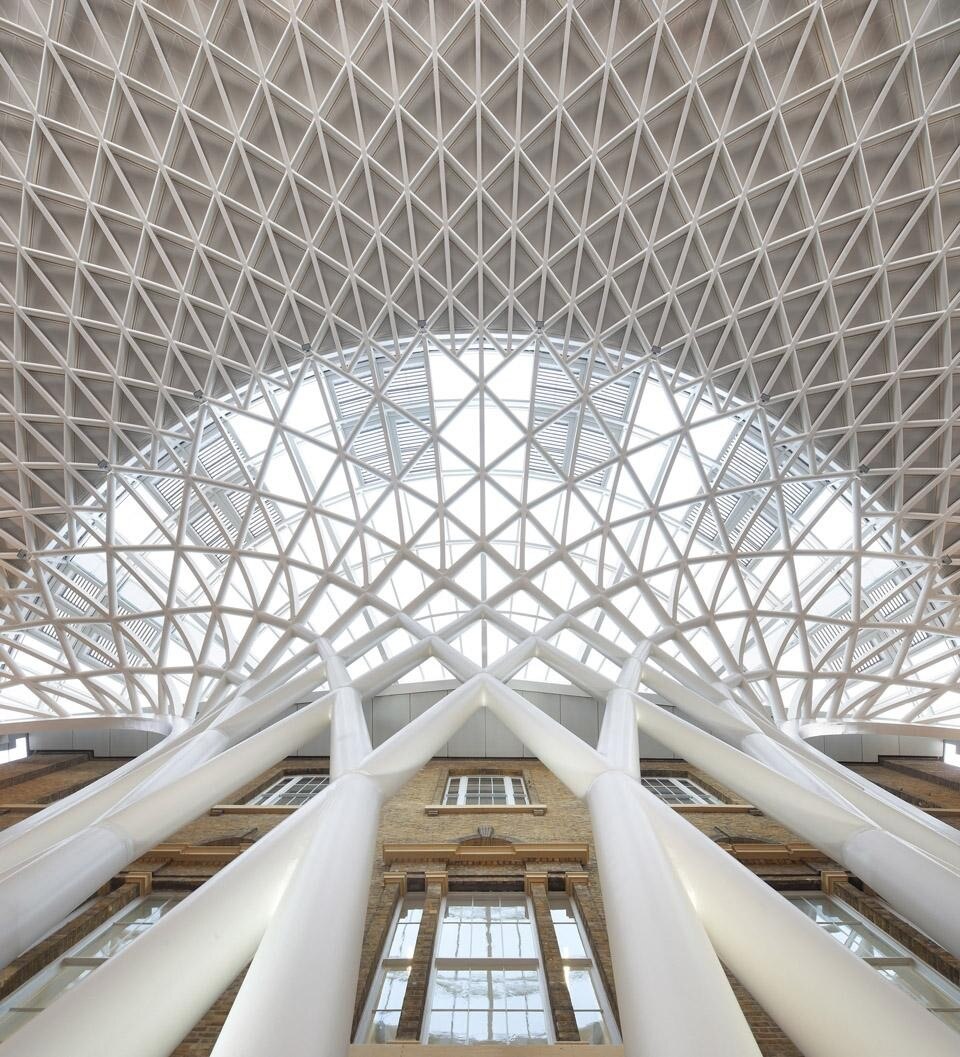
618,743
323,909
827,1000
787,753
38,895
672,992
306,967
164,764
892,814
63,818
142,1001
911,881
197,949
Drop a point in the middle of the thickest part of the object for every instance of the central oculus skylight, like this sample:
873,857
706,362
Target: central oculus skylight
468,472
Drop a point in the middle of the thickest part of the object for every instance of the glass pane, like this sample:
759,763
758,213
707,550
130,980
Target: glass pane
498,1026
11,1021
462,989
580,985
569,940
393,989
292,790
861,940
821,909
512,908
302,789
447,1027
526,1027
678,790
109,941
521,989
479,1026
487,1005
498,928
909,979
856,936
269,792
591,1027
65,978
126,929
148,911
951,1017
383,1027
518,940
405,937
485,790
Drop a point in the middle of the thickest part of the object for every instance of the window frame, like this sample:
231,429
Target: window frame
507,781
681,785
386,964
270,795
588,963
904,958
535,963
69,958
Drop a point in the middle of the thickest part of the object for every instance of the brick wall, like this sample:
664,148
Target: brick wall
200,1041
927,783
199,849
44,777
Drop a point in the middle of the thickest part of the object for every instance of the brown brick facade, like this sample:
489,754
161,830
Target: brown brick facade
199,849
564,1021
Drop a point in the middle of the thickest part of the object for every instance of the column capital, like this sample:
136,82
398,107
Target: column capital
572,878
438,877
399,879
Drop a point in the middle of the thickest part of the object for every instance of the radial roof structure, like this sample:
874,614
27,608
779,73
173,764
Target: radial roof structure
618,324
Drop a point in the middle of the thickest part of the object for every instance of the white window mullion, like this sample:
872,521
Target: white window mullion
880,950
43,989
291,790
485,790
486,983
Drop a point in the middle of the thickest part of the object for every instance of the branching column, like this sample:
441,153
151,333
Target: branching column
911,881
789,755
673,995
42,892
830,1002
160,766
306,967
672,992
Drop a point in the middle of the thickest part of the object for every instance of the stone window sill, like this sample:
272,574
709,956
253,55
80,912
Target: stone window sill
485,809
251,809
715,809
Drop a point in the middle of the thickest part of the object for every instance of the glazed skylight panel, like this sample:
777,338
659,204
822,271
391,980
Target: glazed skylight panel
623,269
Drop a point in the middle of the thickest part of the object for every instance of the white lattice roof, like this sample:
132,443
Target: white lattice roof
479,313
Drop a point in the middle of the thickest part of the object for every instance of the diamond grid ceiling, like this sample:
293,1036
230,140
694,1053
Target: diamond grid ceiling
479,313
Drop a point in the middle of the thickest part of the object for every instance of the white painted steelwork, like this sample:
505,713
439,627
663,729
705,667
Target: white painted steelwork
348,343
